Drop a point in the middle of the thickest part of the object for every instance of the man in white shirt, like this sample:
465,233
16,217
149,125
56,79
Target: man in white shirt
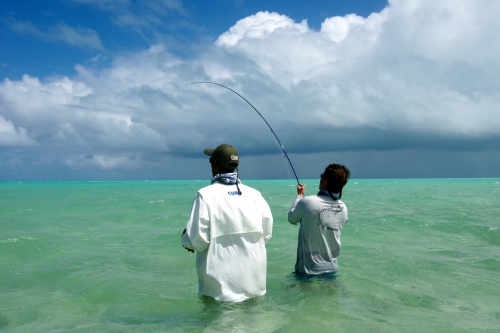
321,219
229,226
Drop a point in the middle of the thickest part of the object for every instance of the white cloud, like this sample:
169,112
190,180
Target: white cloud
258,26
420,74
64,112
446,31
12,136
366,30
414,66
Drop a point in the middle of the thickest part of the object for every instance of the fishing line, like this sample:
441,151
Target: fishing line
253,107
284,161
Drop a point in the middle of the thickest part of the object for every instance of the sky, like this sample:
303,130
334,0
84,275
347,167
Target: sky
98,89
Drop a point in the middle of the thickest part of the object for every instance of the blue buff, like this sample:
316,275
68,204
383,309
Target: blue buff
325,193
226,178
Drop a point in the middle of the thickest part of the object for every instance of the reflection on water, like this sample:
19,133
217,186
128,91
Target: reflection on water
324,284
253,315
271,313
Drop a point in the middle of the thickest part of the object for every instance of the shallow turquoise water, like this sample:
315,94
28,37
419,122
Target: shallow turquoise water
418,255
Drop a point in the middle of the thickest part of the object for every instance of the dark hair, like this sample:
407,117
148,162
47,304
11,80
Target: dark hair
336,176
224,170
221,168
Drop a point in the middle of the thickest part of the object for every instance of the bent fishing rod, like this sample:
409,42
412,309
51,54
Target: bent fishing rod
253,107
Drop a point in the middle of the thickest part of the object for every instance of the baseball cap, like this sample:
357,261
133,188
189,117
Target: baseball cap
225,155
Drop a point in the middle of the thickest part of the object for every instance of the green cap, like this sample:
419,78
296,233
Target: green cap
225,155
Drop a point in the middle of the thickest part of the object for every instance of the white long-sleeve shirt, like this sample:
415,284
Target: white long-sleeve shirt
321,220
229,233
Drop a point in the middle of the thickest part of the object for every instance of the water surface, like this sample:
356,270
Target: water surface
418,255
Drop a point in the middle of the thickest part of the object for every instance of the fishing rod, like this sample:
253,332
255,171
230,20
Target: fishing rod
272,131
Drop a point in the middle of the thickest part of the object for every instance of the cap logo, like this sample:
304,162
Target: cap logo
234,157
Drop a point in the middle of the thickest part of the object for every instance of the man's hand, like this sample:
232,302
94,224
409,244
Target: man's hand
189,250
301,189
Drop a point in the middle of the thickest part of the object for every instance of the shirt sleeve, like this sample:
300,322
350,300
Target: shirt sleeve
267,221
296,211
197,236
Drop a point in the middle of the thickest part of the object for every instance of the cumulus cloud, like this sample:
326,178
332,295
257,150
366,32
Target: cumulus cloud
258,26
12,136
420,74
62,112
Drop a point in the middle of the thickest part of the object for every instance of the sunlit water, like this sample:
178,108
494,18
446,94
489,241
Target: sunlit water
417,256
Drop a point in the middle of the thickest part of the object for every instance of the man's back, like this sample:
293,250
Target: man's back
231,213
229,232
322,219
